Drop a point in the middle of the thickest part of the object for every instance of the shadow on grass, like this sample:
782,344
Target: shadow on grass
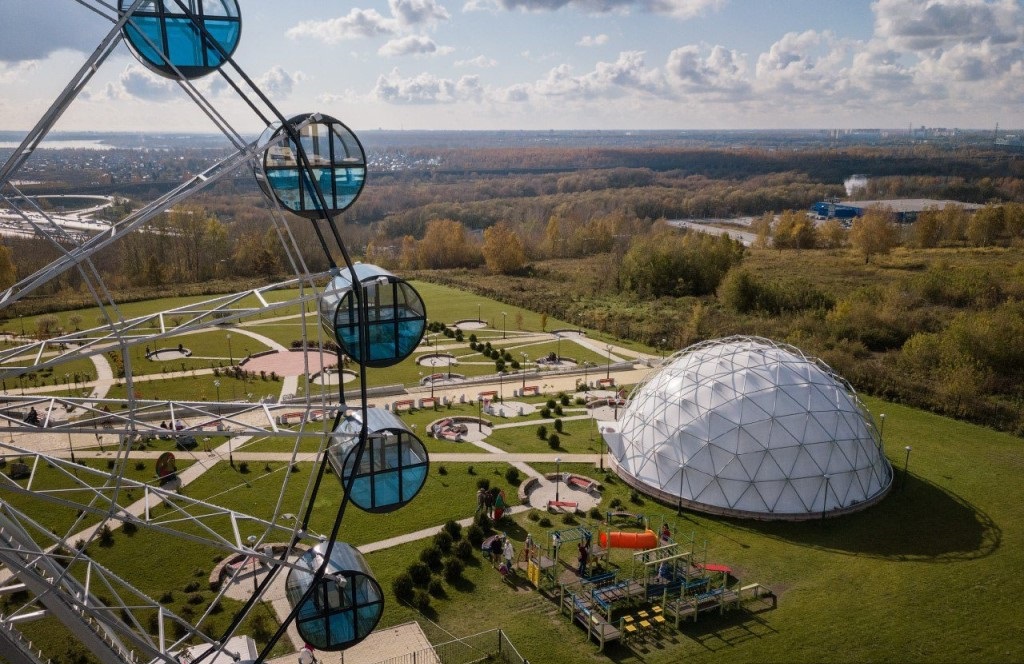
918,521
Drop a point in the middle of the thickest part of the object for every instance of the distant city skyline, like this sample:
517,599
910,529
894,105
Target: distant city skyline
554,64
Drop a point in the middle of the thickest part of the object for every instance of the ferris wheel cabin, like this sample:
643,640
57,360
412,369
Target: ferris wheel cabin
171,41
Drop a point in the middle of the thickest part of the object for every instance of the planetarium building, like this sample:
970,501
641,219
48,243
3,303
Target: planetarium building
747,427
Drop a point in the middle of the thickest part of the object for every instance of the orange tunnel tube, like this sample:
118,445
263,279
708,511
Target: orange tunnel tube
621,540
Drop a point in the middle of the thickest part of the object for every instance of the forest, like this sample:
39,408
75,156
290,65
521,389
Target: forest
927,313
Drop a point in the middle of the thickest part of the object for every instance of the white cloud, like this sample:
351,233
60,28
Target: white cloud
808,62
138,82
681,9
418,12
278,83
626,75
426,89
17,71
413,45
593,40
927,24
357,23
721,71
480,62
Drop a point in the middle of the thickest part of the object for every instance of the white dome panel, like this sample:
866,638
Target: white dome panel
758,426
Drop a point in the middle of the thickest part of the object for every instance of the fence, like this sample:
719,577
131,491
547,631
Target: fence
490,646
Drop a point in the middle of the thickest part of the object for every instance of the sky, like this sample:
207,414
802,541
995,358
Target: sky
550,64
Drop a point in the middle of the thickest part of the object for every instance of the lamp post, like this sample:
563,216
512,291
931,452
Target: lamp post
663,342
558,475
585,365
824,501
70,448
216,384
881,432
21,319
906,464
523,369
608,370
479,413
231,458
558,350
478,319
501,387
67,383
231,356
601,457
503,314
252,543
679,511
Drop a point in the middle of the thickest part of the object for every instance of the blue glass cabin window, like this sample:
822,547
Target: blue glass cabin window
165,37
345,605
391,471
337,165
396,321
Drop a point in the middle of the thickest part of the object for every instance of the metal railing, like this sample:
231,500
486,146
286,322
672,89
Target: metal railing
490,646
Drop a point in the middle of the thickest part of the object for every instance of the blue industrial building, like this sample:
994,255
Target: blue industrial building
905,210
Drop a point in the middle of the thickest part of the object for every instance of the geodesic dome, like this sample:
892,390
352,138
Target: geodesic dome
747,427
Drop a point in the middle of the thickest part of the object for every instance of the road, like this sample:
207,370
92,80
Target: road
709,226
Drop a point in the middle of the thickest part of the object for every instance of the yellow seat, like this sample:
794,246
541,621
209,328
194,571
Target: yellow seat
645,624
656,608
642,614
627,619
631,632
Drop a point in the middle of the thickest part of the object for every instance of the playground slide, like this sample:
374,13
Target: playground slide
620,540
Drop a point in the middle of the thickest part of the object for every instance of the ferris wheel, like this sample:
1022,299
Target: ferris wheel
57,516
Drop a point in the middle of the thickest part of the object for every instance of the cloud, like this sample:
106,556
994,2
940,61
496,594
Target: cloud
418,12
357,23
413,45
593,40
627,75
808,62
681,9
29,30
135,81
278,83
928,24
426,89
721,71
480,62
18,70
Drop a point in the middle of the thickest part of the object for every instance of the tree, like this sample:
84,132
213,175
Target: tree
762,228
795,230
667,263
407,257
8,273
874,233
503,249
986,226
831,234
446,245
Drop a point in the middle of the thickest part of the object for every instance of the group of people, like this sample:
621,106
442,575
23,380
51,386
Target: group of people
502,554
492,502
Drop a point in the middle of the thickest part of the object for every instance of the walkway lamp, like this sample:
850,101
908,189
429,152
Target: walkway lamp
608,370
558,475
251,539
231,356
681,469
824,502
523,369
906,464
216,384
881,431
503,314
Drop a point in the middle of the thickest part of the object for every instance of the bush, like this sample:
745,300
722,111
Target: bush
441,470
419,573
542,432
453,528
554,441
533,515
483,521
615,503
475,536
192,587
595,513
544,522
563,399
558,410
453,568
431,556
463,550
550,403
403,586
420,600
512,476
545,413
569,519
129,528
167,597
558,425
243,467
196,599
106,536
483,483
443,541
436,588
470,470
634,497
140,465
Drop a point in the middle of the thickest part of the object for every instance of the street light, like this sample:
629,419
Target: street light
680,510
231,356
22,320
906,464
479,413
663,342
881,432
824,502
608,371
558,475
478,319
523,369
252,543
216,384
503,314
601,457
558,351
501,387
70,448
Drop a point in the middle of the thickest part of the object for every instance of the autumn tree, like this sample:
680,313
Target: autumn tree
762,229
257,254
986,226
446,245
503,249
794,230
407,256
874,233
668,263
8,273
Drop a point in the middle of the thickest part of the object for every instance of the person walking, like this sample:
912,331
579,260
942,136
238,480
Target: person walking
480,500
584,556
